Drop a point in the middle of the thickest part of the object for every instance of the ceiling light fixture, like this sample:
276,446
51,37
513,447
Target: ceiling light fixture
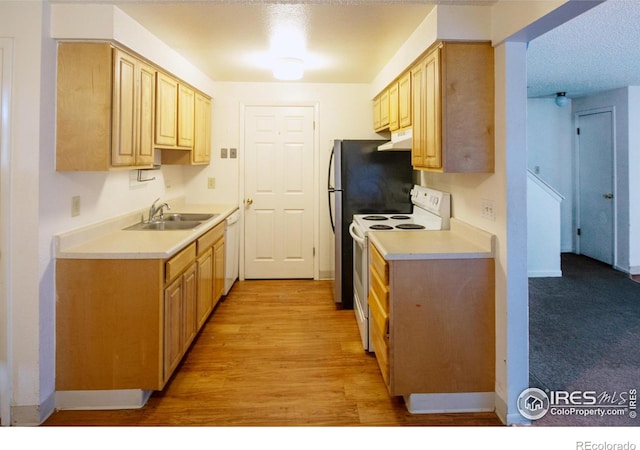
288,69
561,99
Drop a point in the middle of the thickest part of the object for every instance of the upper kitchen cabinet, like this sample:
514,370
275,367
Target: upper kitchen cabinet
104,108
381,111
453,108
404,100
183,123
200,152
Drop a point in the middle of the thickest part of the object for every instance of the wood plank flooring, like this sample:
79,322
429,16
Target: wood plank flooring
274,353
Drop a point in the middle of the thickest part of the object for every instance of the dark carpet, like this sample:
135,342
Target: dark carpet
584,335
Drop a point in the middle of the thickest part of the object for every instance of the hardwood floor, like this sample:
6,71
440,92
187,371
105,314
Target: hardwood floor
274,353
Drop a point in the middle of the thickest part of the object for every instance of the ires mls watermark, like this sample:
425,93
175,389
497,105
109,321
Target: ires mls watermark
534,403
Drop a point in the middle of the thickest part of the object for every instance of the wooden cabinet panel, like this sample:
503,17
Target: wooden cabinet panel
404,100
218,274
438,333
166,111
104,108
189,318
453,108
394,118
173,309
186,111
202,138
205,287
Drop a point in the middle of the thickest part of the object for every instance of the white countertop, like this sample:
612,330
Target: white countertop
109,239
461,241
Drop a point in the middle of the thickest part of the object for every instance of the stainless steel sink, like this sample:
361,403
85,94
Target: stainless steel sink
173,217
164,225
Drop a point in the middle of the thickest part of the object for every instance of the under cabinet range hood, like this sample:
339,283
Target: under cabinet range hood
400,140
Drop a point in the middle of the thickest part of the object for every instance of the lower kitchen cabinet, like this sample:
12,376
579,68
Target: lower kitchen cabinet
127,323
433,324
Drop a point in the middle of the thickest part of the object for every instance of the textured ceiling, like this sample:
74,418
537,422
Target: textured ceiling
596,51
351,40
346,42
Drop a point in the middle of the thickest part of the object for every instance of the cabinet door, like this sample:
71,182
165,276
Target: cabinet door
218,270
205,287
376,113
189,293
202,138
394,119
172,327
124,110
145,115
186,111
166,111
432,120
417,108
384,109
404,100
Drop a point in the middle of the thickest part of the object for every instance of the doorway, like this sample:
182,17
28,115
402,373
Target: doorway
595,186
279,225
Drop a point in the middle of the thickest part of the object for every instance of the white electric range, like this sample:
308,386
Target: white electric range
431,211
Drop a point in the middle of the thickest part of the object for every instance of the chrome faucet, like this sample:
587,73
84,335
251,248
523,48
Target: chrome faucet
156,210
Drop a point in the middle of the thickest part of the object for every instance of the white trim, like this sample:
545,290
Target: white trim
450,402
102,400
6,378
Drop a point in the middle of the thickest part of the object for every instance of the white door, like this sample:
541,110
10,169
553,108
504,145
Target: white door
279,225
595,186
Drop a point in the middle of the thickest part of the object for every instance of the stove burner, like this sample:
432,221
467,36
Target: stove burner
410,226
400,217
381,227
374,218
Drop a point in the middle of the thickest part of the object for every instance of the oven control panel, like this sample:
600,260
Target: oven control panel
437,202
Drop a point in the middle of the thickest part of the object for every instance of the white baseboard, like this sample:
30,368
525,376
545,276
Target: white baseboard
117,399
450,402
544,274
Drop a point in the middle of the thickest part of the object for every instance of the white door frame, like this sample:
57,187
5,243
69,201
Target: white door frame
577,201
241,178
6,378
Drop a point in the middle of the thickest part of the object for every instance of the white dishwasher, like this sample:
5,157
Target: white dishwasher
232,250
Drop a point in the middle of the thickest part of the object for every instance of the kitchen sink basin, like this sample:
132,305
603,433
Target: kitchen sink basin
164,225
176,217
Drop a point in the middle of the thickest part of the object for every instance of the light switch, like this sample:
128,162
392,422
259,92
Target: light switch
233,153
223,153
75,206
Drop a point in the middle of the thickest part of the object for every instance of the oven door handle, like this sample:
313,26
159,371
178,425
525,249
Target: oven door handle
354,234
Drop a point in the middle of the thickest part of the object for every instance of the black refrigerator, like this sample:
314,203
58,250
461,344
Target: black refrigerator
365,181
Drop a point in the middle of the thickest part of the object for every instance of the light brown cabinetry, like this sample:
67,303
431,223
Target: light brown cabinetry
381,111
433,324
127,323
404,100
174,114
104,108
201,146
453,108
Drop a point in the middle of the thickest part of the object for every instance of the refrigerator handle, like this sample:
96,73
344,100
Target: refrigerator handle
330,190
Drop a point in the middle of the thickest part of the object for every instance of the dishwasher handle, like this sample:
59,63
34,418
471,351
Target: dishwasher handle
353,231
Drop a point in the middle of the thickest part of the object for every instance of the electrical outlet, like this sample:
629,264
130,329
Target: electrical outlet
488,209
233,153
223,153
211,183
75,206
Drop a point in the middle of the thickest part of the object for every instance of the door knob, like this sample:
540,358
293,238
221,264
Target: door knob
608,196
248,202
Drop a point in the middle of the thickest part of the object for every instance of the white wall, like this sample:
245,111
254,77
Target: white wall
633,173
550,147
344,112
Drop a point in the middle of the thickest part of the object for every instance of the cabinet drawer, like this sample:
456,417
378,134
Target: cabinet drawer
378,263
381,348
380,317
207,240
380,289
178,263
